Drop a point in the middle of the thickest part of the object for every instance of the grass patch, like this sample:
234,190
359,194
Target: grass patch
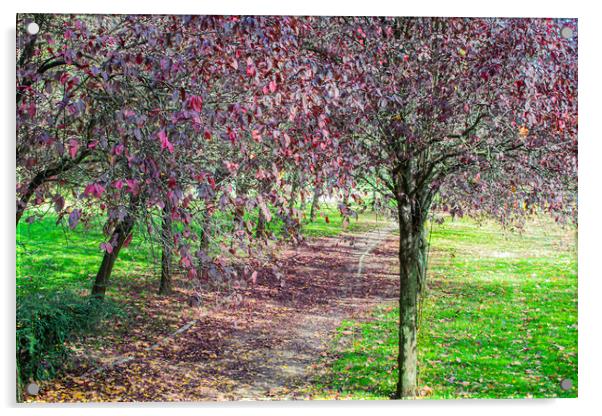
320,227
53,256
499,321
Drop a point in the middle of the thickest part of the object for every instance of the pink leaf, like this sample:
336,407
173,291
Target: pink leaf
133,186
106,247
232,167
165,144
94,189
119,149
73,148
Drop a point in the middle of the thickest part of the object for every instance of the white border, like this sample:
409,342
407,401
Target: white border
590,181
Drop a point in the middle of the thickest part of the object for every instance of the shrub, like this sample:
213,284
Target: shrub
46,322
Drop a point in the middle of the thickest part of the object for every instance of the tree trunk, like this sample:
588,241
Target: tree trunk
121,232
206,230
412,268
166,243
314,203
373,200
294,193
261,222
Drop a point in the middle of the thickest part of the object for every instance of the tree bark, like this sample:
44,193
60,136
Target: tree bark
412,268
261,222
294,194
206,230
373,200
166,243
314,203
121,232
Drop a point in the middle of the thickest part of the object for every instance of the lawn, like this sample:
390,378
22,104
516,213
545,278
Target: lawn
53,256
499,321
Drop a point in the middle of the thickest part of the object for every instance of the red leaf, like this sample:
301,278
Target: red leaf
195,103
94,189
326,219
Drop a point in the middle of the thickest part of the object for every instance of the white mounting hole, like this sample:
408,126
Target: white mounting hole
566,384
32,28
566,32
32,389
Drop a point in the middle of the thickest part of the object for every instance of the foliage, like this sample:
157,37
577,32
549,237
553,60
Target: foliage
500,321
455,108
47,320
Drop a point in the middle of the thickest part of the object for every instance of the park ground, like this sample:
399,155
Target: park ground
499,319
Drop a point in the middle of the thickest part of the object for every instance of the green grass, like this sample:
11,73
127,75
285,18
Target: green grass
54,256
334,226
51,256
499,321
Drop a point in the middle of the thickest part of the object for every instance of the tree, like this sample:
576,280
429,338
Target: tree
470,116
158,106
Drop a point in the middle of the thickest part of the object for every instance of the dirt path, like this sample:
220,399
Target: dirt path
265,348
301,336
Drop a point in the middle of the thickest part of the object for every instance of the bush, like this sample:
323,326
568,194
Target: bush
46,322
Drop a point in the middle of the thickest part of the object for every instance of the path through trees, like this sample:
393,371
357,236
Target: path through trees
268,346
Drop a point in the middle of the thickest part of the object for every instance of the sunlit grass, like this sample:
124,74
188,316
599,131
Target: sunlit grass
499,321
